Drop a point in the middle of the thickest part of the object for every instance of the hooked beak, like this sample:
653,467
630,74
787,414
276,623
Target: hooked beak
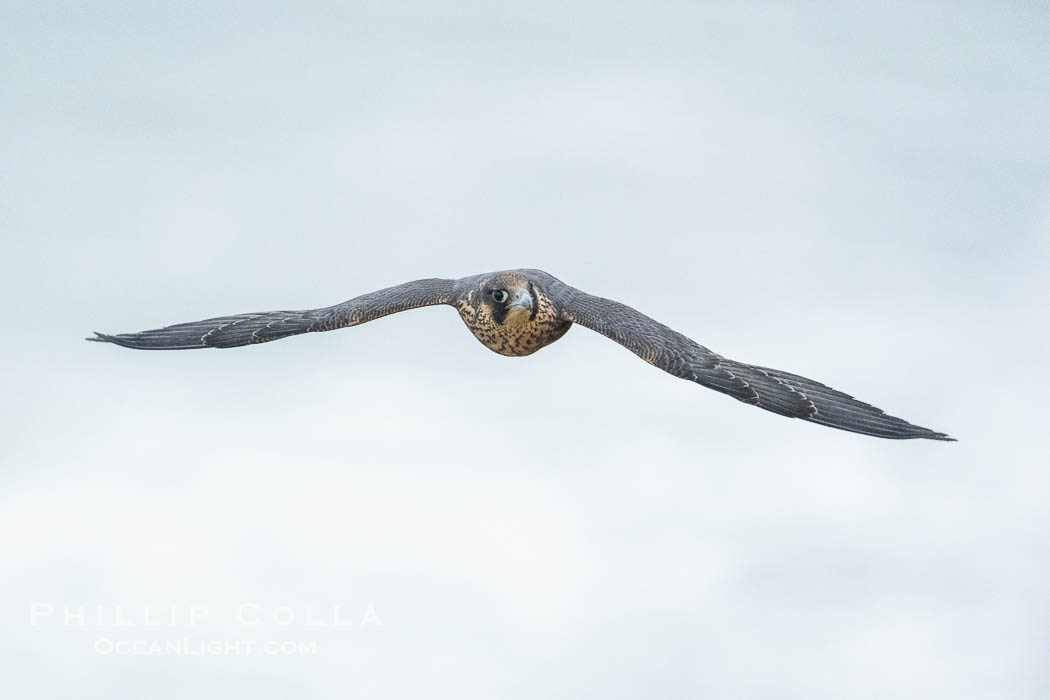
521,301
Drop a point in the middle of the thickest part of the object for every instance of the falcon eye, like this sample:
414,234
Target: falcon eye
499,295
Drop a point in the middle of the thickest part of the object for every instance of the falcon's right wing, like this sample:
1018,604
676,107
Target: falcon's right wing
248,329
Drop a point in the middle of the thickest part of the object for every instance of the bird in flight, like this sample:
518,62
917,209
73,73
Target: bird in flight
517,312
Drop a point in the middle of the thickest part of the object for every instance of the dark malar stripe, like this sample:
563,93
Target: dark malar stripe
535,302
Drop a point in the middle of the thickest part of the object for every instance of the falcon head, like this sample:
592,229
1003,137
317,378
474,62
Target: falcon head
510,312
509,299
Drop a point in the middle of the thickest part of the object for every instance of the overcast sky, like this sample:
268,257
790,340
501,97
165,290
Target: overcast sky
856,192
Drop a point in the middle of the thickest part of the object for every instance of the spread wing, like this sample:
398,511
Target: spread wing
780,392
248,329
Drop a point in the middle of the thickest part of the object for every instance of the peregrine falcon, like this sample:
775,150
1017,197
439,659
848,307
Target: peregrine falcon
517,312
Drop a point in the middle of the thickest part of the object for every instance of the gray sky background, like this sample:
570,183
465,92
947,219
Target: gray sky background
856,192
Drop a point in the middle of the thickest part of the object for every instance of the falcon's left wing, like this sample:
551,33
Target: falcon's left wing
780,392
